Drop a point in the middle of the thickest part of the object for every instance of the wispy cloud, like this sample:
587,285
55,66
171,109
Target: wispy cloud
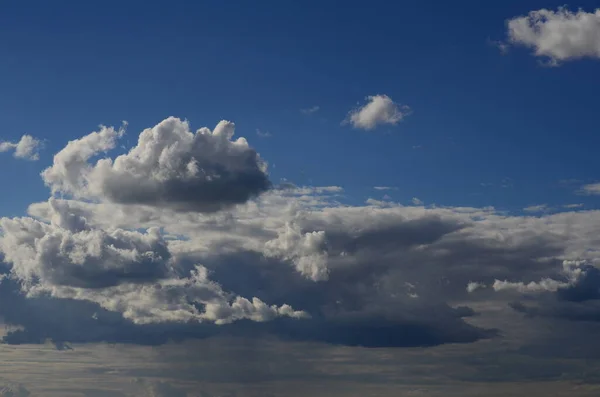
536,208
311,110
571,206
263,134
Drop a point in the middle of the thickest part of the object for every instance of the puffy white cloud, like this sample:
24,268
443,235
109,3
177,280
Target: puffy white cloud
70,168
379,109
27,147
170,167
306,251
67,252
560,35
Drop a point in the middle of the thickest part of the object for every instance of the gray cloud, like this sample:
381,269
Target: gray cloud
170,167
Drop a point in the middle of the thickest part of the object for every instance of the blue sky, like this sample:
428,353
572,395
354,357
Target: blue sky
478,116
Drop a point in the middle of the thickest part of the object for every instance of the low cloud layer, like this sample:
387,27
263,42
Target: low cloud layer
379,110
26,148
559,36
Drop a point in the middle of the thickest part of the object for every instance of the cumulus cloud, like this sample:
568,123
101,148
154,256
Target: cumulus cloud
560,35
293,261
26,148
379,110
306,251
170,167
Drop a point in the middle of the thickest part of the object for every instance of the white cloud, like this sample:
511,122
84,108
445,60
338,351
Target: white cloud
384,188
379,110
592,189
306,251
311,110
474,286
263,134
571,206
560,35
27,148
417,201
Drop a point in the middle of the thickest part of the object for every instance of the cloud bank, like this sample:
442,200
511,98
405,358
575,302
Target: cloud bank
93,263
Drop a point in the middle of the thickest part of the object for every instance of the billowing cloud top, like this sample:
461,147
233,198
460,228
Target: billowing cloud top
170,167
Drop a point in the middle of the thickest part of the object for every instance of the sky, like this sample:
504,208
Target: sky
299,198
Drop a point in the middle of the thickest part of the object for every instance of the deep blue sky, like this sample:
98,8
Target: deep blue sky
479,116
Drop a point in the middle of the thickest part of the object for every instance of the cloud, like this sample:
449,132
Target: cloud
502,46
591,189
263,134
160,389
474,286
170,167
14,390
294,262
384,188
572,206
27,148
311,110
417,201
379,110
560,35
536,208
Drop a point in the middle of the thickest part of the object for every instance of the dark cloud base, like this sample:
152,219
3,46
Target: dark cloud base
64,321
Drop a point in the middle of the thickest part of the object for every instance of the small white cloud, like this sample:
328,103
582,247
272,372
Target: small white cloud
503,46
384,188
474,286
263,134
310,110
572,206
560,35
380,109
27,148
536,208
591,189
416,201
